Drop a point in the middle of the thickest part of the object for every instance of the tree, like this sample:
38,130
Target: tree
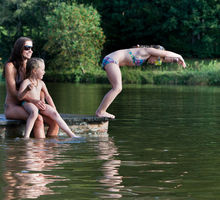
23,18
190,27
75,38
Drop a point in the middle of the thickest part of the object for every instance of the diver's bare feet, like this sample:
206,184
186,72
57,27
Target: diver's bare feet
105,114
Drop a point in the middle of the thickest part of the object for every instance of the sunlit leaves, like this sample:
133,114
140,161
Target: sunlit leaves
75,38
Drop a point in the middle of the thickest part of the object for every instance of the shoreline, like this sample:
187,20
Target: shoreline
198,72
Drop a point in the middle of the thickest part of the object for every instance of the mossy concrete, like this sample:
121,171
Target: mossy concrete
79,124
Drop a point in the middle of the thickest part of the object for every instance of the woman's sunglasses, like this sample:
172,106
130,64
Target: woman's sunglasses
27,48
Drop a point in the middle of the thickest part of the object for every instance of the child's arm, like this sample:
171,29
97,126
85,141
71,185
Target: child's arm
48,98
23,95
24,89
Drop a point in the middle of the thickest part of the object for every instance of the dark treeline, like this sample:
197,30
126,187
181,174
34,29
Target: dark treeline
189,27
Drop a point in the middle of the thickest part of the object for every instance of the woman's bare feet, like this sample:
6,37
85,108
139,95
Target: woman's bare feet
105,114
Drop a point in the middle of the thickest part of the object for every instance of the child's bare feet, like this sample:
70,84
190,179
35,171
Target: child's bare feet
75,136
105,114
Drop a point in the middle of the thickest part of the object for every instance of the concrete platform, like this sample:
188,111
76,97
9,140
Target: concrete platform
79,124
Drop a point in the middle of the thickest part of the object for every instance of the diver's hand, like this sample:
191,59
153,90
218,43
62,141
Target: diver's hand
180,61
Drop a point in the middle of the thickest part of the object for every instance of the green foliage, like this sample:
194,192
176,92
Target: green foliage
204,72
188,27
1,69
77,76
23,18
75,38
191,28
131,76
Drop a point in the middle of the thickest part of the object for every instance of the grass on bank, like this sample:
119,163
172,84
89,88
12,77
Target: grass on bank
198,72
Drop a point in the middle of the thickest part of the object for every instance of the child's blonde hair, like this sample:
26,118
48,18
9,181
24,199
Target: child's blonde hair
32,64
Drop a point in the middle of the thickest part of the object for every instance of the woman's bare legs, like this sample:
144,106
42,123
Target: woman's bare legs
53,114
38,129
18,112
114,76
53,128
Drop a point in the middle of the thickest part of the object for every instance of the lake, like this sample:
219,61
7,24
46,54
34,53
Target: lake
163,145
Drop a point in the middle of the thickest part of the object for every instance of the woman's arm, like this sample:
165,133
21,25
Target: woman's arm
174,58
167,56
48,98
25,87
10,74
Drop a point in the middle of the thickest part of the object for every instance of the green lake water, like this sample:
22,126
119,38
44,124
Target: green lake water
163,145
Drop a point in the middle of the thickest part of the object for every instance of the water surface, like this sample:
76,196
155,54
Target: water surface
164,144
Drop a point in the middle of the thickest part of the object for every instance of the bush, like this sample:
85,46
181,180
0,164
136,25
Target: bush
1,69
205,72
75,38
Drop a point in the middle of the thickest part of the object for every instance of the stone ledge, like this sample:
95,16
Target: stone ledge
69,118
79,124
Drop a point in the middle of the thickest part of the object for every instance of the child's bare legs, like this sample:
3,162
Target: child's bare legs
53,114
114,76
33,115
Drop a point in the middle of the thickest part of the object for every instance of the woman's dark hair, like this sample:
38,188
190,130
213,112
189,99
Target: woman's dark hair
16,55
32,64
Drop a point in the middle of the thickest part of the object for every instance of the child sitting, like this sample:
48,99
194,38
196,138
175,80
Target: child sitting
32,87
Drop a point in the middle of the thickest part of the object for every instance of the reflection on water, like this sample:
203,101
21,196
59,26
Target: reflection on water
164,145
26,167
32,168
111,180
